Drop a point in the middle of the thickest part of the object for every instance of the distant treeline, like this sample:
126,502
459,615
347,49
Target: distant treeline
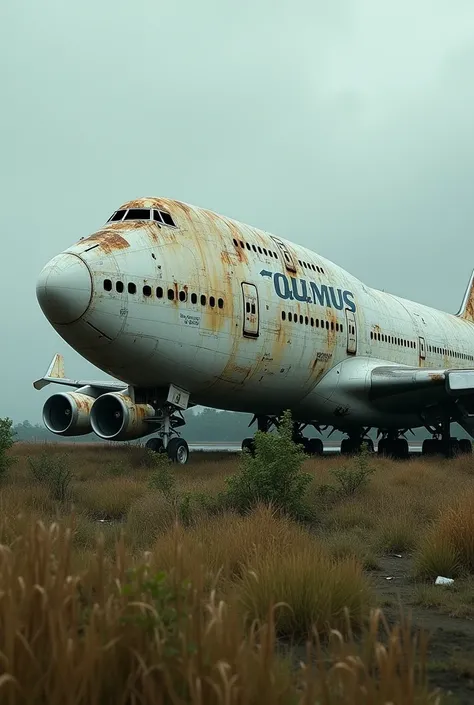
205,427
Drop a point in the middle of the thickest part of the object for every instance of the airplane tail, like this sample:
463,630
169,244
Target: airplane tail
467,308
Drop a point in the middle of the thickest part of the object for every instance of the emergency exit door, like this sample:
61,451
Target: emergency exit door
251,317
351,327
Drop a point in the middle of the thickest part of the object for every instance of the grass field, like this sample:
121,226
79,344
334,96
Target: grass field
114,590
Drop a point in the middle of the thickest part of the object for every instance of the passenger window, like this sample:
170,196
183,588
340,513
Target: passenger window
332,325
147,290
254,248
107,285
212,301
242,245
342,328
290,316
253,309
194,298
203,300
182,296
159,292
235,242
171,294
264,251
306,320
220,303
247,245
247,307
327,325
259,249
132,289
312,322
119,287
301,318
283,315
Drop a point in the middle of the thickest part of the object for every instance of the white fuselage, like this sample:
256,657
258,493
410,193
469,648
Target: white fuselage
244,321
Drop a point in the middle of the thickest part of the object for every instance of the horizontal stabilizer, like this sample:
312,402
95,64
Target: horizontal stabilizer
55,375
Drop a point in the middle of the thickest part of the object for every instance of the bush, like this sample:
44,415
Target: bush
6,442
354,477
53,472
448,547
272,476
163,478
311,589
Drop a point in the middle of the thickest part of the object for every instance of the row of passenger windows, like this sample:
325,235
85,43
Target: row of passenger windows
161,293
392,340
450,353
411,344
143,214
272,253
310,321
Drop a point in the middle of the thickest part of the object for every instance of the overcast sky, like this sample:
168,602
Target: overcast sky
344,125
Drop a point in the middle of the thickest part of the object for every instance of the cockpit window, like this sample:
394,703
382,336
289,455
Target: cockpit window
138,214
161,217
118,215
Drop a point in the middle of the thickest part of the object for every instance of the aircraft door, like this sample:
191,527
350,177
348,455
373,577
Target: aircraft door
351,327
290,262
422,348
251,315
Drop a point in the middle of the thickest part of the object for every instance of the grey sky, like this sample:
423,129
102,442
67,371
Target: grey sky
346,126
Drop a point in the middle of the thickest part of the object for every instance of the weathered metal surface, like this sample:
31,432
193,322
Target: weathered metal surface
151,340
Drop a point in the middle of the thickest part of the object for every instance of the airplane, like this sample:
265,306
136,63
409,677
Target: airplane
184,307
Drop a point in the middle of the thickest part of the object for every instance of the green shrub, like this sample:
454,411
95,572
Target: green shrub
163,478
6,441
354,477
53,472
272,475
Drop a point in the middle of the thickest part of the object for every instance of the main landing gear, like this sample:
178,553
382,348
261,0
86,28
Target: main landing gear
168,442
443,444
356,442
312,446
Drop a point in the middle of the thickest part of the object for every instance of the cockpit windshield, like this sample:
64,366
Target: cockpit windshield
158,216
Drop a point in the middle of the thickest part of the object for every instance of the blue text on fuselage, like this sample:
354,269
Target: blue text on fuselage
292,289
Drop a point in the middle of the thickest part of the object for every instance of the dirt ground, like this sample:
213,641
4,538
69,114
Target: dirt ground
451,644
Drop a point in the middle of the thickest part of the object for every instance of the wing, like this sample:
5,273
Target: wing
55,375
394,388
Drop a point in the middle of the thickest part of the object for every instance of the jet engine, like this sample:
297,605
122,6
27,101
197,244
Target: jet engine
115,417
68,414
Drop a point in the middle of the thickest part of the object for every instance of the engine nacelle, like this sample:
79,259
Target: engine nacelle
68,414
115,417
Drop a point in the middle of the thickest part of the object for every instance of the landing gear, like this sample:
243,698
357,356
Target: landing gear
356,442
312,446
176,448
443,444
178,451
155,445
396,448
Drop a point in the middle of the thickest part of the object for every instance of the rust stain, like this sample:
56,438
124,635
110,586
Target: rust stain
437,377
108,240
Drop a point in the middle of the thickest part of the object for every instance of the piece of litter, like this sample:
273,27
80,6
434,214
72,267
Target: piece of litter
397,555
443,581
389,578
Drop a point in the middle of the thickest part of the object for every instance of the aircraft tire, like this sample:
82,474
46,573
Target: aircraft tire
465,446
249,444
178,451
347,447
155,445
313,446
401,449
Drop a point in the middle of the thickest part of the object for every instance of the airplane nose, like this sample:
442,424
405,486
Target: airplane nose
64,289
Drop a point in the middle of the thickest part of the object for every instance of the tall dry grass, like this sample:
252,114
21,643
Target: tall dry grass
119,632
